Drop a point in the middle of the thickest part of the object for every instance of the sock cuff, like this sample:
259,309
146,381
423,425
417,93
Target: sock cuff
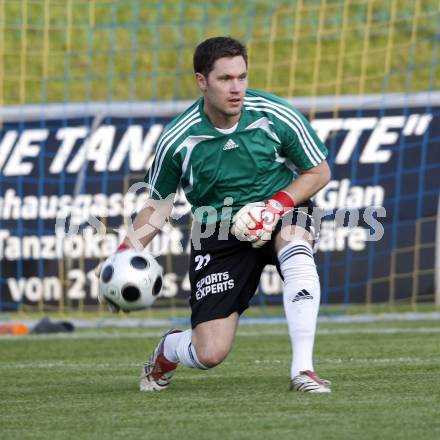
194,358
185,351
295,247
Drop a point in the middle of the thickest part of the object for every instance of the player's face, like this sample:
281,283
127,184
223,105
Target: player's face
225,87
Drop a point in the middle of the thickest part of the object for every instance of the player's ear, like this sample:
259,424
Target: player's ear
201,81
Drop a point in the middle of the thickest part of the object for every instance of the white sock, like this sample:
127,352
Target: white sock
179,348
301,297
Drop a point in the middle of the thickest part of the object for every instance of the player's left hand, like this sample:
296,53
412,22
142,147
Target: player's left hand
255,222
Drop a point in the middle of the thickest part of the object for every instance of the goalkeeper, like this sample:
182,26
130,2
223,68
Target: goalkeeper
232,151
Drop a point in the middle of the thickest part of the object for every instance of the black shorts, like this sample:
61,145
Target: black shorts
225,274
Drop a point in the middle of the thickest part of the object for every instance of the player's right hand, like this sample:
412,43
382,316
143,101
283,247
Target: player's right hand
245,221
255,222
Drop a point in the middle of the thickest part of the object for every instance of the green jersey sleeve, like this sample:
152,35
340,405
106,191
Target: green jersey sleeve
164,174
301,143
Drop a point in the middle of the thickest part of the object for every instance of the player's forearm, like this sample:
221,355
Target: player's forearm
309,183
147,223
141,232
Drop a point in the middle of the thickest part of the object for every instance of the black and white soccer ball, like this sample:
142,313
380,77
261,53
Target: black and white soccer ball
130,280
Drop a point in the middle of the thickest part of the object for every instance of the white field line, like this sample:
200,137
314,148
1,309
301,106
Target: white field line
346,331
361,361
244,321
67,365
245,333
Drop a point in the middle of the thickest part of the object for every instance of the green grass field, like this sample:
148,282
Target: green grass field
386,385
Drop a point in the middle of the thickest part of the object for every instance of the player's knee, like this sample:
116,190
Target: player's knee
211,356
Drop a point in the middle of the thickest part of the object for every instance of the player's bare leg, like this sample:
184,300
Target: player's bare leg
301,298
203,347
213,339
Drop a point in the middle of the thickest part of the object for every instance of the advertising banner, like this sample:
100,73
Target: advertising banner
64,196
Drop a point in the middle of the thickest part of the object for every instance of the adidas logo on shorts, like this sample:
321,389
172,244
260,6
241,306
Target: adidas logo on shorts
230,145
302,294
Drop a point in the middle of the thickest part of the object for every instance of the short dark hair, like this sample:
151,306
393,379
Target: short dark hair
210,50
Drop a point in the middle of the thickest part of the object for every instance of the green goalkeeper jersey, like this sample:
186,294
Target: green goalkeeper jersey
248,165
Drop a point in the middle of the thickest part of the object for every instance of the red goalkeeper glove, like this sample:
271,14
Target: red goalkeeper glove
255,222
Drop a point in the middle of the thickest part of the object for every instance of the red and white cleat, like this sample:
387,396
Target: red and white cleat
309,382
157,372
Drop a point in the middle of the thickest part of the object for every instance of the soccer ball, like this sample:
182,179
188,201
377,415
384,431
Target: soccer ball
130,280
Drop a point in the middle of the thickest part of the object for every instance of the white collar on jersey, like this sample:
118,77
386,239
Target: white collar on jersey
227,130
